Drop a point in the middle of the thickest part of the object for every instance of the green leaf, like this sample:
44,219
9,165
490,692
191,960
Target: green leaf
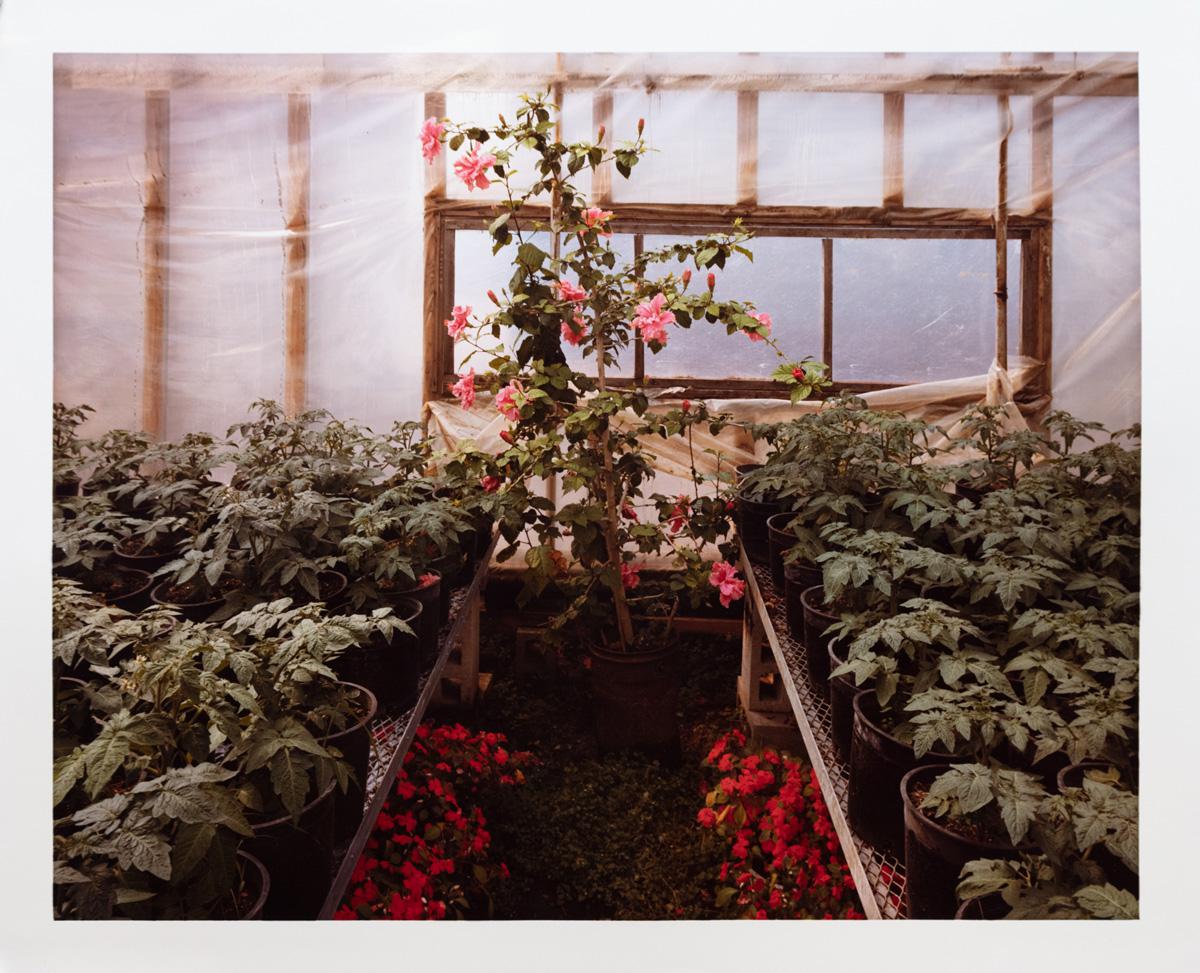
191,845
67,770
148,852
1107,902
289,777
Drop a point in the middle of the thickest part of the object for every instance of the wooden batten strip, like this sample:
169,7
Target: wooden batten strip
602,114
747,148
439,349
295,255
639,346
1005,129
827,302
154,262
893,149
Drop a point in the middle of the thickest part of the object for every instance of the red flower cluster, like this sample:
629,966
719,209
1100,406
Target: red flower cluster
783,860
427,856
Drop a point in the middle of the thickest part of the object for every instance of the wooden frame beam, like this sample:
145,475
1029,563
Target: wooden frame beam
154,261
415,72
827,303
1005,127
295,255
602,117
893,150
437,362
747,148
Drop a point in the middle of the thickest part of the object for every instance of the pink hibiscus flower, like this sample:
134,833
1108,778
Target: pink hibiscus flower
651,320
764,319
595,218
510,399
458,322
724,577
431,138
574,332
464,388
472,168
629,575
570,292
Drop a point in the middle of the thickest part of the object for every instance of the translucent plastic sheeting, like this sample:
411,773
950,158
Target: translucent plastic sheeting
916,310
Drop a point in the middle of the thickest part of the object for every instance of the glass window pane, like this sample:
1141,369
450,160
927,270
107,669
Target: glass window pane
785,280
919,310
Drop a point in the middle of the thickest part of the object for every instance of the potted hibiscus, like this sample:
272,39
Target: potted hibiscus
565,419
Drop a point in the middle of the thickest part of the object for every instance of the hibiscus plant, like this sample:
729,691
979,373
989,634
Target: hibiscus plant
576,424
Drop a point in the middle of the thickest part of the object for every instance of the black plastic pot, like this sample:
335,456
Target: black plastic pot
354,742
66,488
143,562
634,699
391,668
299,857
429,623
798,577
842,691
256,881
990,906
742,469
195,611
331,585
752,518
780,540
136,587
816,621
451,567
934,855
878,762
1115,870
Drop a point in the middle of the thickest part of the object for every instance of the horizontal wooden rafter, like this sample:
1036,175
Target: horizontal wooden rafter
285,74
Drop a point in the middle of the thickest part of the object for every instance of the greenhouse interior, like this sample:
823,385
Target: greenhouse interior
582,486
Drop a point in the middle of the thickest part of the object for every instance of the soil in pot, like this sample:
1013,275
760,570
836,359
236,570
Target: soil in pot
391,669
878,762
299,857
190,600
935,850
635,696
133,552
330,585
354,742
428,591
121,587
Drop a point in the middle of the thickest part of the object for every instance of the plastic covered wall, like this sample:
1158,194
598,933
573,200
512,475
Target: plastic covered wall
905,311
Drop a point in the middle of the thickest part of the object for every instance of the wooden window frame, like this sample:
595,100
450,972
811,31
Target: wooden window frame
445,217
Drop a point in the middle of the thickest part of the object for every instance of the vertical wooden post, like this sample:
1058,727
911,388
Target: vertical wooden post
602,114
827,304
1005,129
154,262
893,148
295,255
435,338
1040,241
639,346
747,148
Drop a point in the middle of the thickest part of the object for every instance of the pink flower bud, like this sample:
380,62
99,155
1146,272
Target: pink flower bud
687,278
712,281
495,300
687,404
600,136
641,125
